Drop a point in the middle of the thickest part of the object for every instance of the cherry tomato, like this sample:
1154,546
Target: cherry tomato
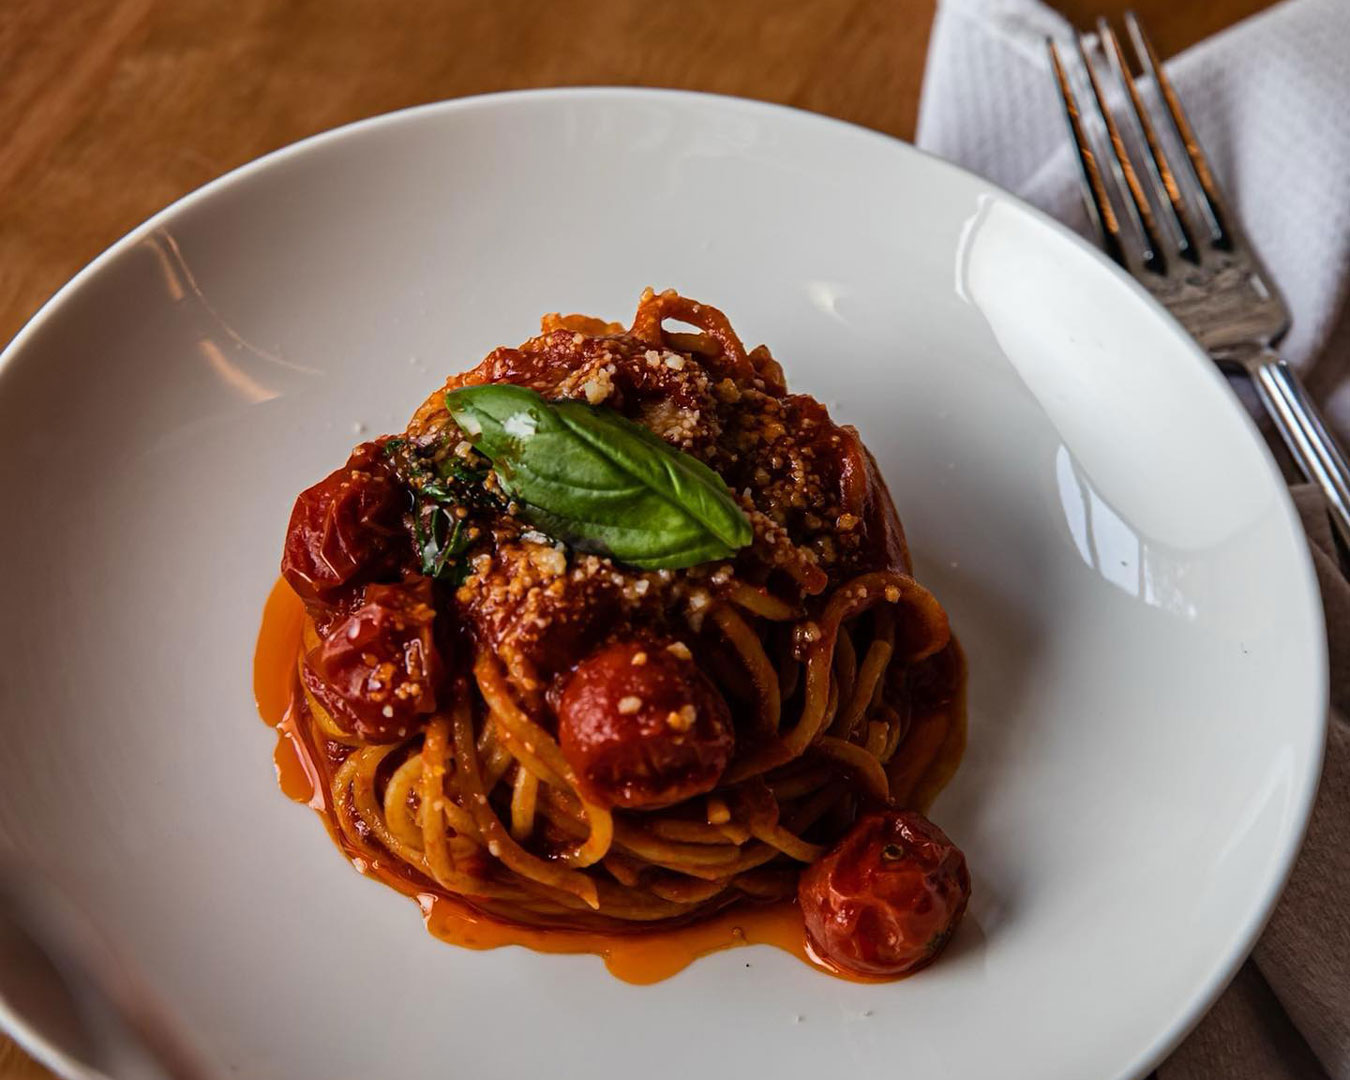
642,726
347,529
376,670
885,899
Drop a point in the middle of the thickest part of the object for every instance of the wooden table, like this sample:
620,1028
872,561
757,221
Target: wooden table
112,109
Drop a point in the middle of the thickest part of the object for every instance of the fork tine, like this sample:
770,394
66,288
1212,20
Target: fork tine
1161,178
1136,203
1204,189
1095,195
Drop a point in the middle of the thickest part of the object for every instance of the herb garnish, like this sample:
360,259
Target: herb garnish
596,480
444,489
441,539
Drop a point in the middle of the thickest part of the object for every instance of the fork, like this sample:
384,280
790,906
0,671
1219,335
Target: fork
1165,221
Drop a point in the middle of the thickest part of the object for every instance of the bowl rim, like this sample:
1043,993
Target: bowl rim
1206,991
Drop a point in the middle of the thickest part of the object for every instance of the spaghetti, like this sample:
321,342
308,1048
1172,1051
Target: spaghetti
562,741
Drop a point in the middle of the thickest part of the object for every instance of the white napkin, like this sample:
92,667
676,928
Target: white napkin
1269,99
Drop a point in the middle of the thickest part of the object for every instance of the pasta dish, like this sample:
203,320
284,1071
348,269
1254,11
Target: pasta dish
619,635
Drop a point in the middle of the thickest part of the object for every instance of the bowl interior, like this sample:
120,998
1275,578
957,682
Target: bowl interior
1116,551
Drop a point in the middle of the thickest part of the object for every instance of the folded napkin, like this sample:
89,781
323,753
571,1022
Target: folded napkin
1270,102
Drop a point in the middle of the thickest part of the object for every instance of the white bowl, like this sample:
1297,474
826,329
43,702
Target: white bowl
1114,544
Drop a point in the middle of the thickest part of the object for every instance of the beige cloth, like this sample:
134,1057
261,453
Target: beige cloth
1287,1014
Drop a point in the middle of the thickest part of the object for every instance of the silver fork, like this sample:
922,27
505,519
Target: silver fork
1167,223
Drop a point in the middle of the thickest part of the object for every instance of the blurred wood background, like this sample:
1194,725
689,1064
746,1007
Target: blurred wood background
111,109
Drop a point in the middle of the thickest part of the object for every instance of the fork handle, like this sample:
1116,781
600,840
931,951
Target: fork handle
1313,447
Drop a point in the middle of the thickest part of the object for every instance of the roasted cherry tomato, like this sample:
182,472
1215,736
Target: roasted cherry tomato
884,900
642,726
376,670
347,529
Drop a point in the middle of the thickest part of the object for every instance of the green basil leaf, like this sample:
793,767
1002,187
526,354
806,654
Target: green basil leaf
601,483
441,538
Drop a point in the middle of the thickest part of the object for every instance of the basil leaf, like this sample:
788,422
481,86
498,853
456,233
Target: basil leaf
441,539
588,476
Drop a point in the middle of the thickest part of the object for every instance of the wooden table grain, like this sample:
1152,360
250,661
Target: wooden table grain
111,109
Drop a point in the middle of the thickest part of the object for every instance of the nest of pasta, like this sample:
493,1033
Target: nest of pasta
617,632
